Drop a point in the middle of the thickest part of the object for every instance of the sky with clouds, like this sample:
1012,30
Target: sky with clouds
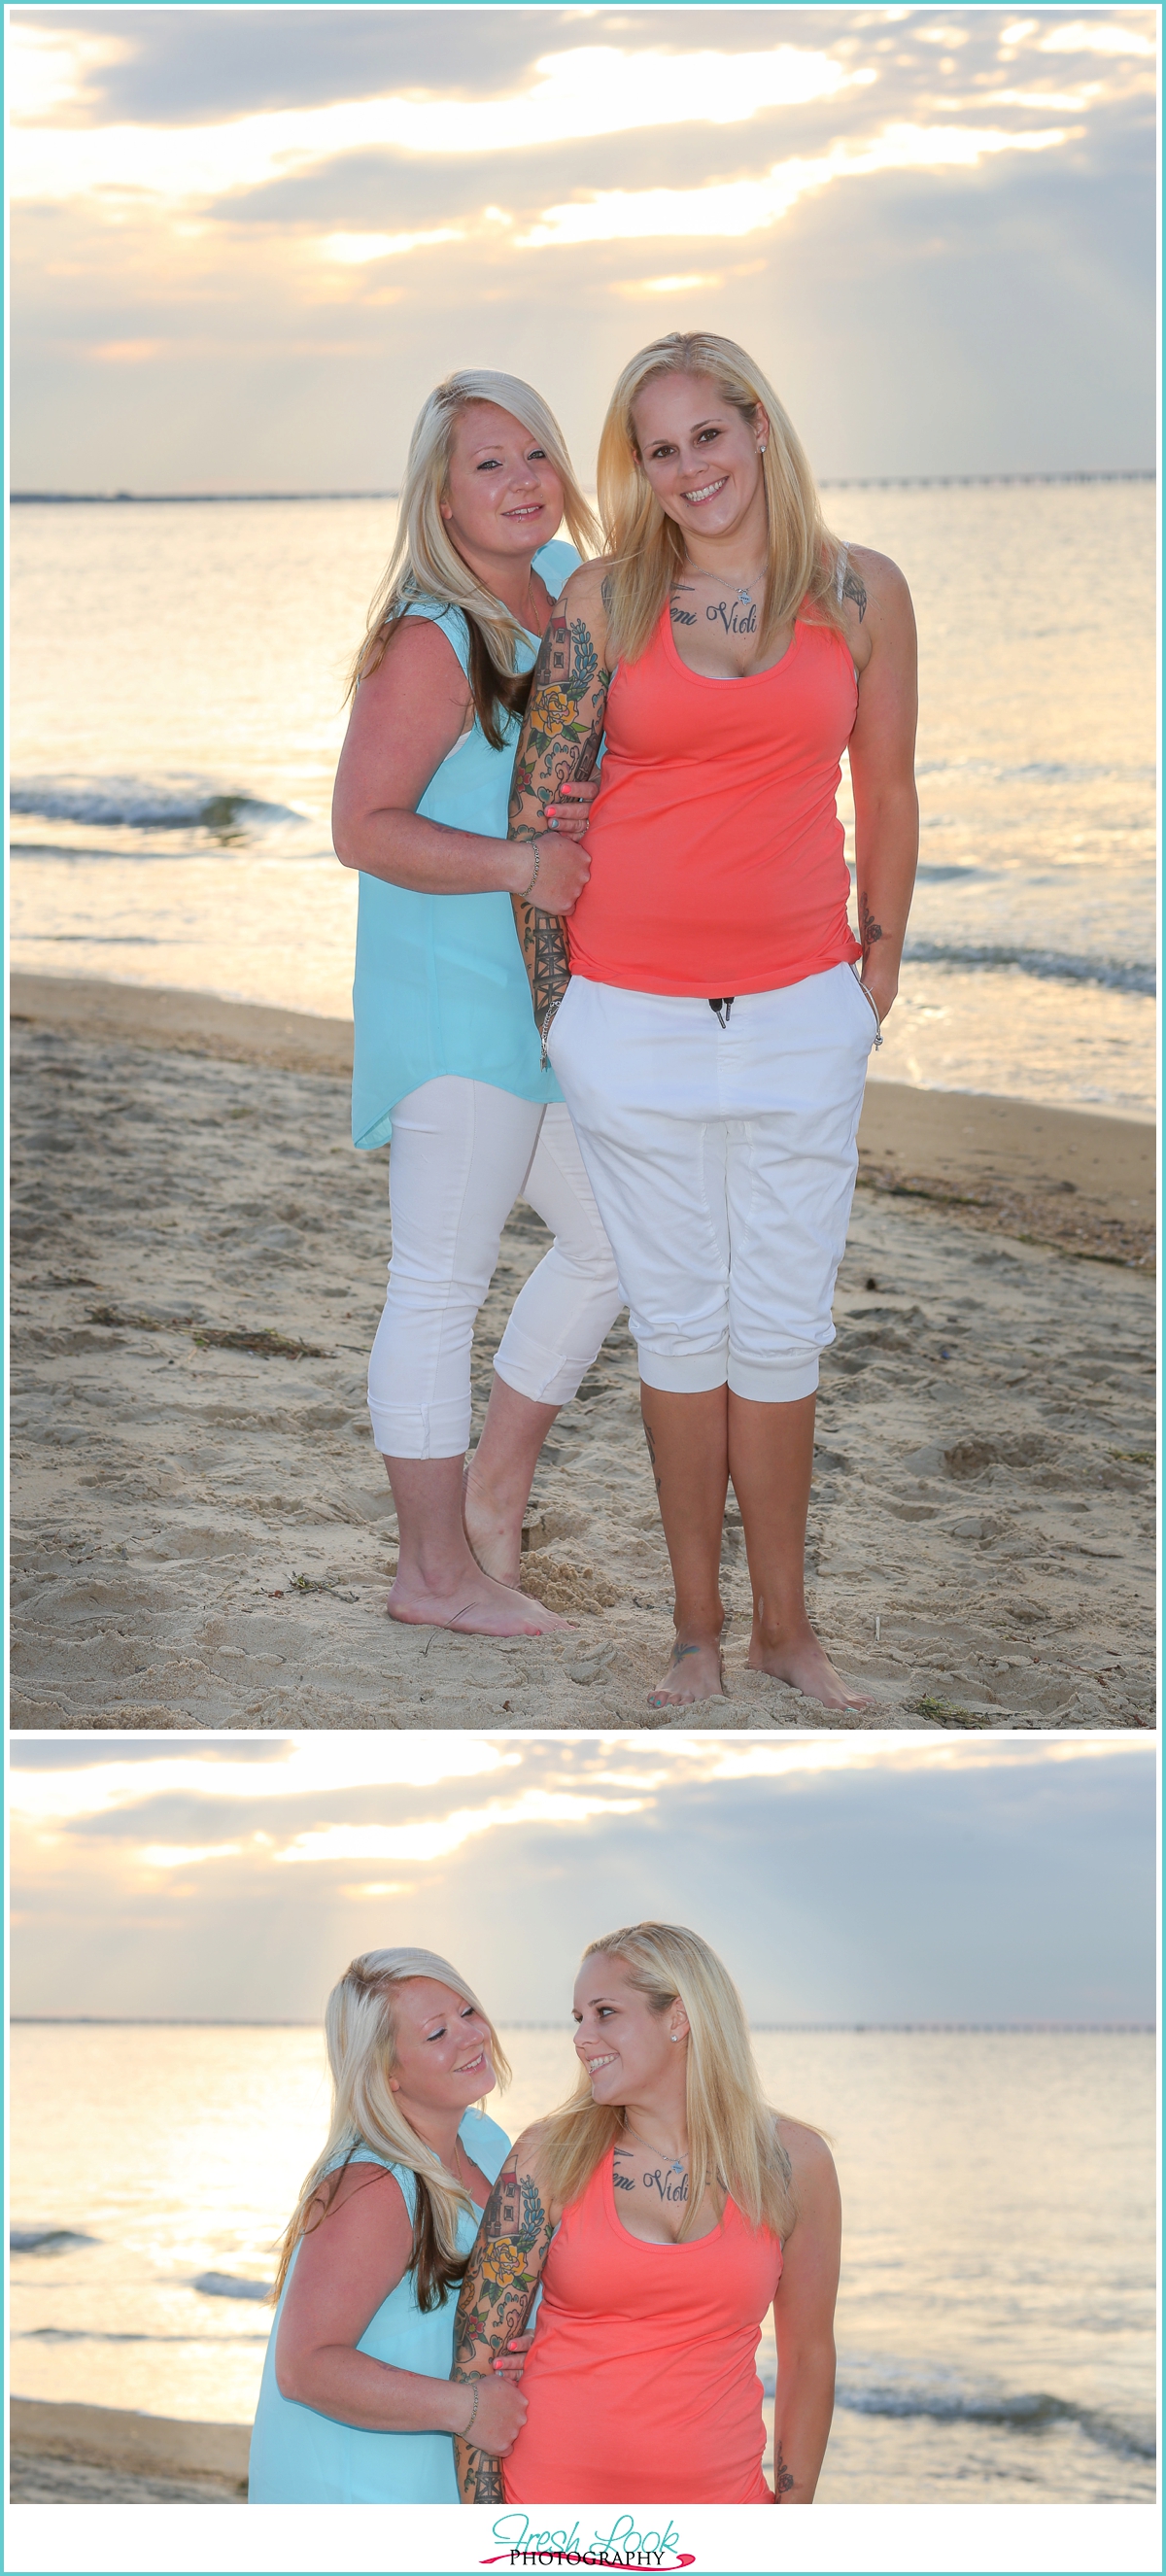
842,1878
246,242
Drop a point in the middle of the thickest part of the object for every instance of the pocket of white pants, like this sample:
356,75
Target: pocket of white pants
556,1023
875,1037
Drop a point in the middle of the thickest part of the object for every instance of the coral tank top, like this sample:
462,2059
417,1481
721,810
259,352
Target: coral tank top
642,2378
717,858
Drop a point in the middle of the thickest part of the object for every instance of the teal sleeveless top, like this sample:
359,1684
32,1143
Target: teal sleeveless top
440,986
300,2457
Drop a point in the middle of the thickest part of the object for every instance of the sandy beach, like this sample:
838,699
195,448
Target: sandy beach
203,1534
106,2455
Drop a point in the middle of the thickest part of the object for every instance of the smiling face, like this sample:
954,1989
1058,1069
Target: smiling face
442,2050
701,457
503,495
628,2050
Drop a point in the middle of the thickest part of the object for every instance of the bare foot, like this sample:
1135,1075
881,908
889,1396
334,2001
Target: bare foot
479,1607
695,1672
804,1662
494,1532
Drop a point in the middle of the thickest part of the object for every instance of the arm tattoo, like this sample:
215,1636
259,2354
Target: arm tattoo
870,930
854,588
783,2476
557,744
500,2283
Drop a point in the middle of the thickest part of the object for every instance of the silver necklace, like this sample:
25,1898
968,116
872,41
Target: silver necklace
745,596
678,2162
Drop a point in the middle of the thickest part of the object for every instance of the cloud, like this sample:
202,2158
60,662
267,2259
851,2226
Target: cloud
753,205
310,1767
1112,36
680,285
436,1840
126,353
355,250
187,1855
456,185
591,90
844,1877
347,1770
55,74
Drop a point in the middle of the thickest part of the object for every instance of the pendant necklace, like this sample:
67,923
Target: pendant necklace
745,596
678,2162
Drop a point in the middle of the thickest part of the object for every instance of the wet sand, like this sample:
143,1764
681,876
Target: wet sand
106,2455
203,1534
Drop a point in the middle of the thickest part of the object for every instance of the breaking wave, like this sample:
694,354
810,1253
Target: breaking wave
1049,965
47,2240
84,2334
149,805
1023,2411
229,2285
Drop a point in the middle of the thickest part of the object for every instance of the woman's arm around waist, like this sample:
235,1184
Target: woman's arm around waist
406,719
881,622
502,2276
803,2317
346,2267
561,737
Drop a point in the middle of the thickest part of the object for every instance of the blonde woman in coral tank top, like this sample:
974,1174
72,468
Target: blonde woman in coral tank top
701,1005
663,2211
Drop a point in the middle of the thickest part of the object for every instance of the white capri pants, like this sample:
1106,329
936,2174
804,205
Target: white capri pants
462,1152
723,1160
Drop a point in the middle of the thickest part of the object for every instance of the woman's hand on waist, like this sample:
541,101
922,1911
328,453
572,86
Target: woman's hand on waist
500,2414
509,2363
572,820
562,872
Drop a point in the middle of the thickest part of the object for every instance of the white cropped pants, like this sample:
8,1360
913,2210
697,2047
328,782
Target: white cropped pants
723,1161
462,1152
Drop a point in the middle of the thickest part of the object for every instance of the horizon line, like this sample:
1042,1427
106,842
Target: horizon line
157,2021
827,483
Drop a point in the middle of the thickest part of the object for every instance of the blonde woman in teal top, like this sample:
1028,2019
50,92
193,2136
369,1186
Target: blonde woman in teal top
356,2404
446,1057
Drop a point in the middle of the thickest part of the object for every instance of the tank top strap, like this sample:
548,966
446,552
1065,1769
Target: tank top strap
403,2176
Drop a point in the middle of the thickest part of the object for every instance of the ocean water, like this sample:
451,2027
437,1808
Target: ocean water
996,2319
178,682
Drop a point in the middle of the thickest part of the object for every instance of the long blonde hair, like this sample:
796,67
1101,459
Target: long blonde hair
362,2054
733,2145
425,563
649,548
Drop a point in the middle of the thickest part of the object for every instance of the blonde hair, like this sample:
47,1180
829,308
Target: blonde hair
733,2144
649,548
362,2054
425,563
